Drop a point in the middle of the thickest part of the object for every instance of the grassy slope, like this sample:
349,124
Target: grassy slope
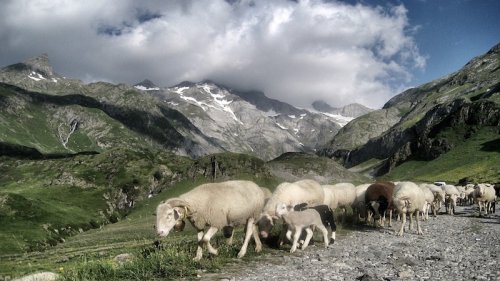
476,158
89,255
41,199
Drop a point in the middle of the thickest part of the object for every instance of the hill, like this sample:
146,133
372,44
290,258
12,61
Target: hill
424,123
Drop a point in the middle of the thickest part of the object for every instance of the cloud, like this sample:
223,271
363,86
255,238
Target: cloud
293,51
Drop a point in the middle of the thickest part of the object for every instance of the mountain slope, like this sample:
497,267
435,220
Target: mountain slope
466,100
237,125
58,115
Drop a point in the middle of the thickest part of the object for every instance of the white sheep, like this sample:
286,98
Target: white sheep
409,199
429,201
439,197
302,220
484,195
228,230
339,195
303,191
451,196
215,205
359,203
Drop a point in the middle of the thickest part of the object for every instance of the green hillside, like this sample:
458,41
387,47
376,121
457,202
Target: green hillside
476,159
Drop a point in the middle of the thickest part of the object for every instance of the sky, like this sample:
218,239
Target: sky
300,51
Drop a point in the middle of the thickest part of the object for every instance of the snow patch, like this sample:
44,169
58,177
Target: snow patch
36,76
282,127
142,88
222,103
292,116
342,120
296,130
172,103
271,113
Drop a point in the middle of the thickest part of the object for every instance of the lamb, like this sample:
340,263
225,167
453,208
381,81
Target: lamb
378,199
303,191
215,205
297,221
409,199
484,195
326,214
451,195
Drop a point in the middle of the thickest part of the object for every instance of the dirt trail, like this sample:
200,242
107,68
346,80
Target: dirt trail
460,247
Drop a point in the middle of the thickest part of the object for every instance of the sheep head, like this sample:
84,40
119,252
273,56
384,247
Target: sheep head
171,214
265,223
282,209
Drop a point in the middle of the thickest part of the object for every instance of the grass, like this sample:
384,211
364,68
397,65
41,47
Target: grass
476,158
90,255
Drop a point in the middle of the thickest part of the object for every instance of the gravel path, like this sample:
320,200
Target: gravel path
460,247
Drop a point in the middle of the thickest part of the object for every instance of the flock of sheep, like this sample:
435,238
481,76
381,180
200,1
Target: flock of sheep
306,205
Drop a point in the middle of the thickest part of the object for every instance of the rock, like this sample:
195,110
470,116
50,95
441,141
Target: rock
40,276
406,273
123,258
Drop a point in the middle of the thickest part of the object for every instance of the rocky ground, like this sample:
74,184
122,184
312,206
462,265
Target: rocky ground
460,247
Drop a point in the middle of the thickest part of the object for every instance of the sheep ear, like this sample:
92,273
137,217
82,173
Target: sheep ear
177,202
176,214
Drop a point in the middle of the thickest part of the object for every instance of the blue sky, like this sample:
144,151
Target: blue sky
449,32
295,51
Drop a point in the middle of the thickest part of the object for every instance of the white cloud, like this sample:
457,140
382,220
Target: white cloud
293,51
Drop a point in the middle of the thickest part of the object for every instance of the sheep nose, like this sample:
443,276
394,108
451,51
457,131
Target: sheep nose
263,234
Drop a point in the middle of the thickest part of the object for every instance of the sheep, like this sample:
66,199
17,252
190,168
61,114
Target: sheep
340,195
359,203
303,191
378,199
228,230
409,199
484,195
429,201
439,197
326,214
297,221
451,195
214,205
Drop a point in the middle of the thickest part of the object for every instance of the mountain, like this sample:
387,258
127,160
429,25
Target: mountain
55,115
426,122
353,110
146,85
248,122
193,119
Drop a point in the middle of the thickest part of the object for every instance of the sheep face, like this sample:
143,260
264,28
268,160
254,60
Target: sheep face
265,224
282,209
480,190
168,217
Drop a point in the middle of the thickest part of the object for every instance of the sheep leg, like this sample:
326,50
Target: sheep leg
296,236
229,241
419,230
199,250
325,235
248,235
401,230
206,238
390,218
256,238
308,238
411,222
